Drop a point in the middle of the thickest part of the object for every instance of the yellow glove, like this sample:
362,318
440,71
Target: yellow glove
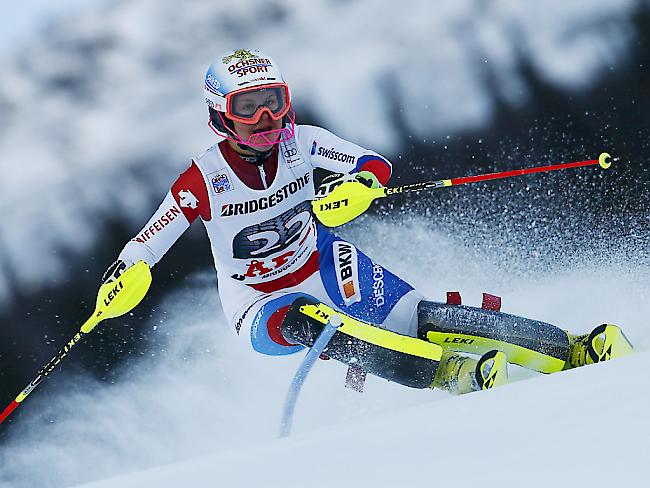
368,178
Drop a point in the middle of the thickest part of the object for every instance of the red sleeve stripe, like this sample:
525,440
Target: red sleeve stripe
381,168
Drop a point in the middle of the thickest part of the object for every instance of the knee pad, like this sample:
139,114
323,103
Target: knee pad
265,334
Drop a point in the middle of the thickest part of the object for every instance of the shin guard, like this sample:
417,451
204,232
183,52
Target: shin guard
529,343
402,359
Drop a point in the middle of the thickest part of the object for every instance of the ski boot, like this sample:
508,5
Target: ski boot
604,343
460,374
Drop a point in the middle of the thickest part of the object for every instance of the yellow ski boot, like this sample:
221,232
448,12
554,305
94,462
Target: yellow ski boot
460,374
605,342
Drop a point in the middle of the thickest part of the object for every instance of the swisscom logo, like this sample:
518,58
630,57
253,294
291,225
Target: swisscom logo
332,154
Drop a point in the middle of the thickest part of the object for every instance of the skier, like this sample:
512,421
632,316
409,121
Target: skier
282,274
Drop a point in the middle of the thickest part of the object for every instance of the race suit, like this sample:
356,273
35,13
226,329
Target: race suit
268,250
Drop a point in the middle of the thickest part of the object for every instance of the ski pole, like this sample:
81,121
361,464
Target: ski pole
351,199
113,299
305,367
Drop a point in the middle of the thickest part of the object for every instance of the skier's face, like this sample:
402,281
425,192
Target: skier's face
264,124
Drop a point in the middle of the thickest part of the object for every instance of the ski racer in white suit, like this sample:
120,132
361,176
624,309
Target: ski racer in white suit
253,193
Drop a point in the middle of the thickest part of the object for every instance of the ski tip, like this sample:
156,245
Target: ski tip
603,160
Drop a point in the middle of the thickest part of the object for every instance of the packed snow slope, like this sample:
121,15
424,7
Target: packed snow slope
585,427
200,402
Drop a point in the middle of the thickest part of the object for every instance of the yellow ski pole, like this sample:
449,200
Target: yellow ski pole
114,299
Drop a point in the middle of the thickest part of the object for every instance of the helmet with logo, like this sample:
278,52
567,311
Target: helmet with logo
241,86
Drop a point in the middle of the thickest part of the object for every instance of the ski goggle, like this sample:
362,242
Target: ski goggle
248,105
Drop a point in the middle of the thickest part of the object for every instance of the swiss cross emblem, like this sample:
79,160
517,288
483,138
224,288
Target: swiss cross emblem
187,199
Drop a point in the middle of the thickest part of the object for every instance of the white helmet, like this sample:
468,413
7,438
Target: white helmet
241,86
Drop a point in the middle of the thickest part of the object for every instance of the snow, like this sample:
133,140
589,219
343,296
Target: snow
202,408
20,19
119,114
582,427
102,110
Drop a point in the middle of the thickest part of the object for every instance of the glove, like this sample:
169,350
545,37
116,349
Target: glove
115,270
330,182
368,178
